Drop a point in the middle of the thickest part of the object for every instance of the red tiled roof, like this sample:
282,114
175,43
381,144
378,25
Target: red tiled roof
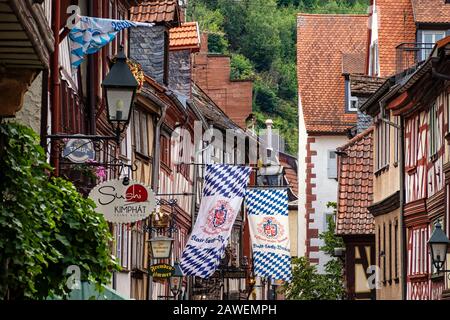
290,169
354,63
323,40
186,36
355,188
396,25
431,11
157,11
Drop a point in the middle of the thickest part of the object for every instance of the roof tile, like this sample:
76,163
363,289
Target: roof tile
157,11
186,36
324,43
355,192
431,11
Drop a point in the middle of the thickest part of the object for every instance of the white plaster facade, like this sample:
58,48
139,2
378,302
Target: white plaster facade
325,188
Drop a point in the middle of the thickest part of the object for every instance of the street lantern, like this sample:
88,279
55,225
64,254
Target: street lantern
161,247
438,246
176,280
120,89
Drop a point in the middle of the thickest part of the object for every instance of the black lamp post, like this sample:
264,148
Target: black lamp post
176,280
438,246
120,87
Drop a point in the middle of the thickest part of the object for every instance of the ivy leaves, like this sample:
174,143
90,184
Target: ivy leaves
46,225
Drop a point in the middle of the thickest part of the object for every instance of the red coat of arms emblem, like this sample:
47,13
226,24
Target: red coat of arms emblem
270,228
220,218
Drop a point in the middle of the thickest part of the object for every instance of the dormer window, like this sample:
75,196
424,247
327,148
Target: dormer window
351,102
428,38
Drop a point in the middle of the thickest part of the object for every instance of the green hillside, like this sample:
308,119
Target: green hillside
260,36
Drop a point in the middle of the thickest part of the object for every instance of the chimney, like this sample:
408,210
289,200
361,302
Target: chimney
149,47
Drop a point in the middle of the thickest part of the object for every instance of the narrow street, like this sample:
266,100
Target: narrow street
242,152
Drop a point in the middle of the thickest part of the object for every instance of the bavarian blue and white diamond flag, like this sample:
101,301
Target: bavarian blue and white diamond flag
269,231
91,34
223,192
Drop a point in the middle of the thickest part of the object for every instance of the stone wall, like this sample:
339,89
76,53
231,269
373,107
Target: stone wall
30,114
180,71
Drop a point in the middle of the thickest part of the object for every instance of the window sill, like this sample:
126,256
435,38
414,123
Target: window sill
435,277
142,156
434,157
381,170
411,170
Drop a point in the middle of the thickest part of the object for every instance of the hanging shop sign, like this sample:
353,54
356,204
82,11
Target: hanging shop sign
234,274
79,150
162,270
121,203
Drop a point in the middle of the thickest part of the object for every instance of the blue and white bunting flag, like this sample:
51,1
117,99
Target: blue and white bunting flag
91,34
269,230
223,192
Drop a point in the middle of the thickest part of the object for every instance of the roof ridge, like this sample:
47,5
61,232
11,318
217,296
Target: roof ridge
357,138
333,14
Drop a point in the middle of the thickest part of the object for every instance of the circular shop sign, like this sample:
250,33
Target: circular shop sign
79,150
121,203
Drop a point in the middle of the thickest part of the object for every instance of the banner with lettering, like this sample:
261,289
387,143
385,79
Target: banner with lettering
223,192
91,34
269,231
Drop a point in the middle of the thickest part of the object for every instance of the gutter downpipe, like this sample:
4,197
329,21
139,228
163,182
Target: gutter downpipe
55,87
91,85
404,257
155,176
190,282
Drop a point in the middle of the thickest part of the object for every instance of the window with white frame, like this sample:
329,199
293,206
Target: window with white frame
433,130
121,236
382,143
429,38
352,102
332,164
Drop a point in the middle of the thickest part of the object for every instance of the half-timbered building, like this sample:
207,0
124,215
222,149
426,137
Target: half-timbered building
421,101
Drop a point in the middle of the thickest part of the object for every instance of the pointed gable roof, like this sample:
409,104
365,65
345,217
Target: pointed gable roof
355,189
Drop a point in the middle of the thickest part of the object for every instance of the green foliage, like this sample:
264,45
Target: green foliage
46,225
217,43
241,68
264,31
307,284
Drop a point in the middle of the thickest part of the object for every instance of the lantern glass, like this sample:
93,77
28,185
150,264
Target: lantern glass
119,102
161,247
439,253
438,247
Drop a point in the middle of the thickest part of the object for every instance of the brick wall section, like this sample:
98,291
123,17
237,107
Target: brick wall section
212,74
180,71
147,48
310,198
